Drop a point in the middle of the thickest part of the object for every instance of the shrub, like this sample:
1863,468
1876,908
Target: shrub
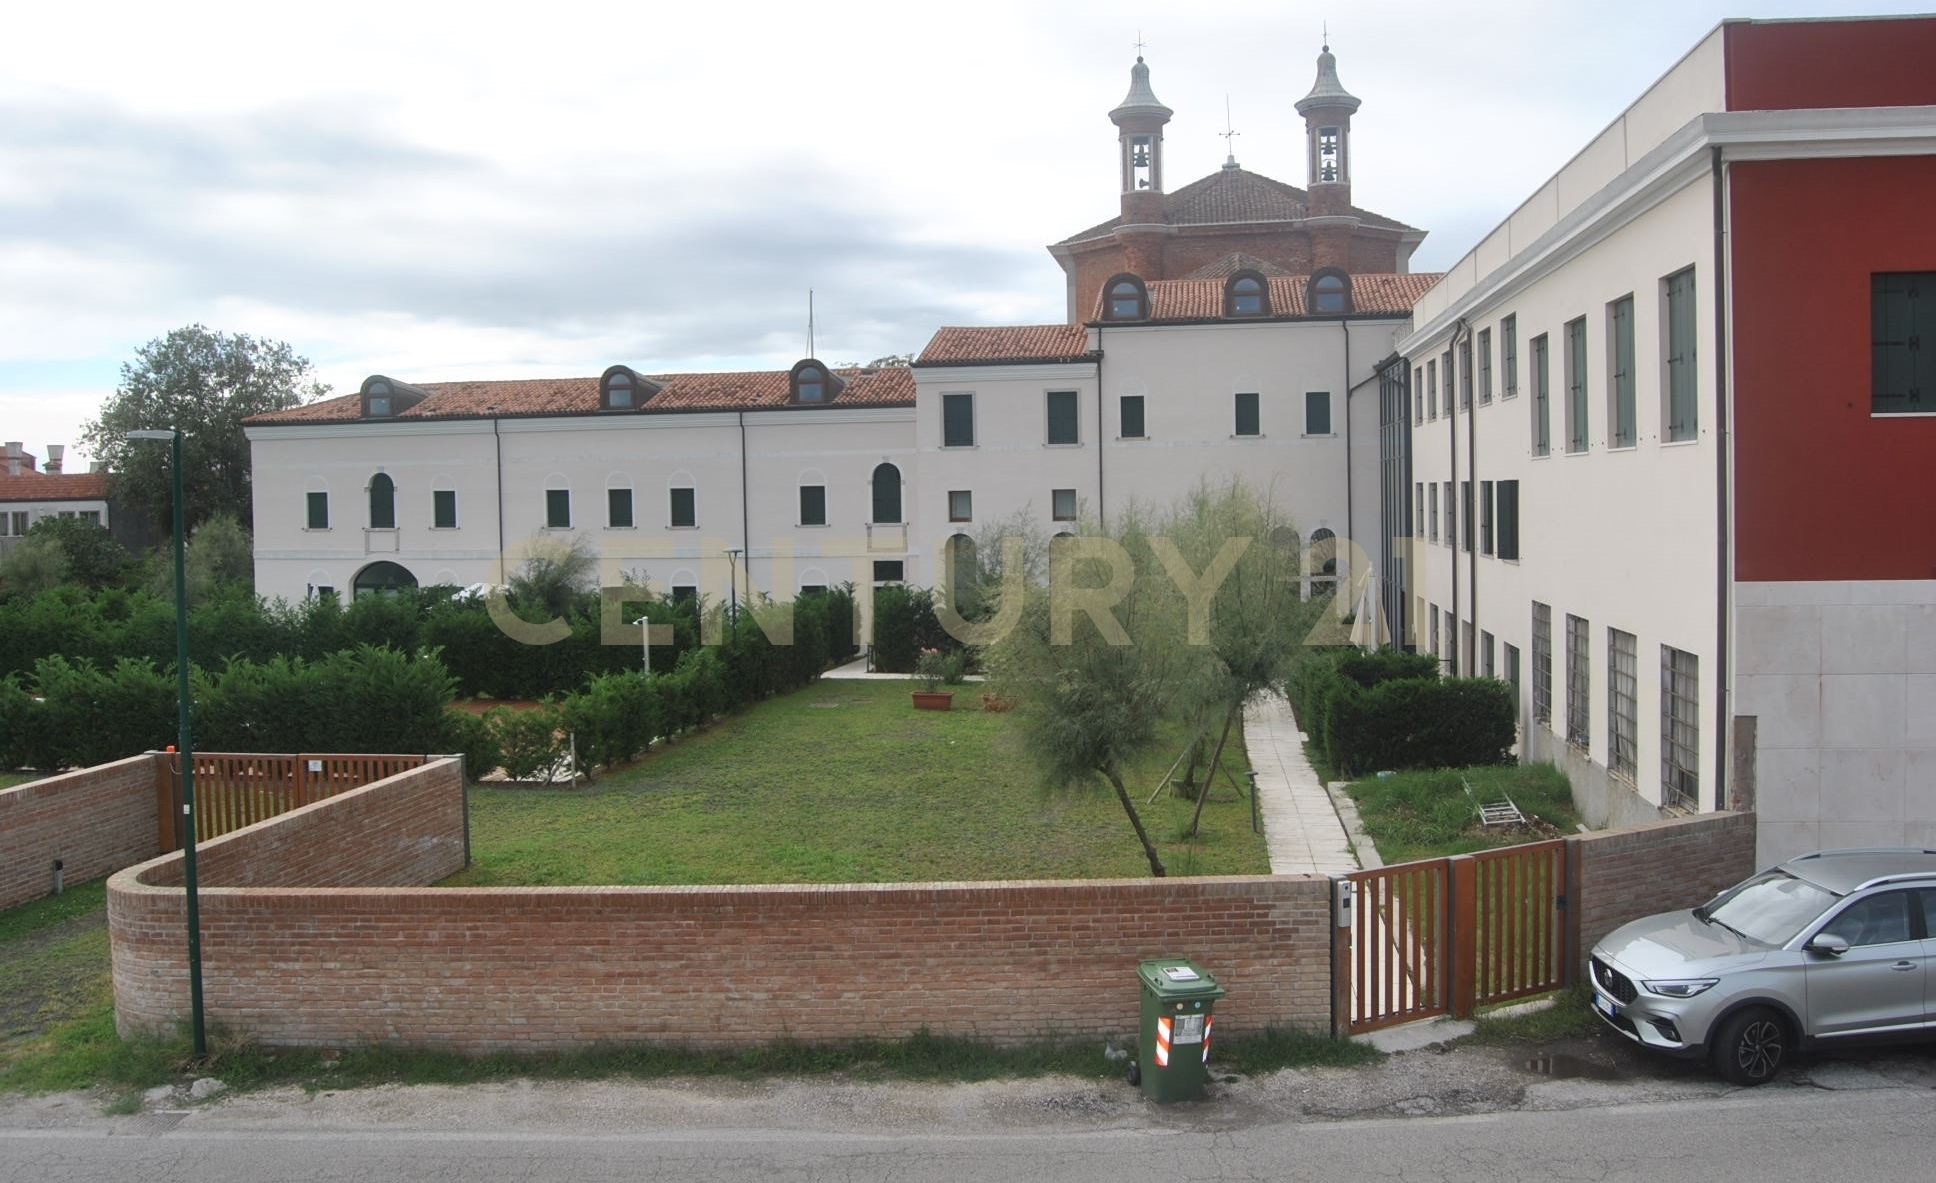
528,740
471,735
1420,723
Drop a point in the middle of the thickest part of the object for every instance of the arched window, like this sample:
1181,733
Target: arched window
1324,553
383,502
813,383
887,494
1330,292
382,579
1246,294
619,394
1125,298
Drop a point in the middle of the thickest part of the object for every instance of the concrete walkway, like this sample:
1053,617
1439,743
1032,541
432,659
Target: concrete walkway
1302,828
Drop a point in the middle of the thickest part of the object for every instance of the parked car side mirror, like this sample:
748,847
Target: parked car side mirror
1828,943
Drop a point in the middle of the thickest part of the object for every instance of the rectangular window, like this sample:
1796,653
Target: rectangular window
684,508
1512,674
1507,493
618,509
318,514
961,505
1064,422
1542,398
1451,518
1623,707
1445,366
1418,513
1317,412
1485,366
683,593
1432,510
1579,683
1680,728
1062,505
1465,507
1902,315
1620,387
1486,667
1435,630
558,509
1542,663
20,523
887,570
1509,357
443,509
325,592
1576,425
1465,374
957,420
1485,517
1418,395
1682,413
1462,660
90,515
813,505
1432,389
1248,422
1132,417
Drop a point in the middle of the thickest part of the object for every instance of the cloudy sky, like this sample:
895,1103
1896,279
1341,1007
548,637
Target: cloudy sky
441,191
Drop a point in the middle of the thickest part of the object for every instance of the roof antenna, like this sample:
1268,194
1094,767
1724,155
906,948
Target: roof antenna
809,322
1229,147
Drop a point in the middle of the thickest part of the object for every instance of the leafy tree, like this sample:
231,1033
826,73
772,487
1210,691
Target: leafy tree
220,554
555,577
35,565
94,558
202,383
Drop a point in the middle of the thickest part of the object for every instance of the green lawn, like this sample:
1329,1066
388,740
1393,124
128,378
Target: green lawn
1416,815
845,782
10,779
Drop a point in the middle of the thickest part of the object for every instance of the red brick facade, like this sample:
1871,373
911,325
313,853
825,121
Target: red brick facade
95,820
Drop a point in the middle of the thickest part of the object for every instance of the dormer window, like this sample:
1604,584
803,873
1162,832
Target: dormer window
385,398
1125,298
622,388
1330,292
812,383
1246,294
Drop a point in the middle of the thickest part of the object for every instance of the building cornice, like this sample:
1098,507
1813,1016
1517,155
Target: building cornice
604,421
1027,371
1683,159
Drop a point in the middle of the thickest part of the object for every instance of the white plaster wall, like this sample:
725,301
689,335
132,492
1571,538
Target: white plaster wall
1624,538
1841,679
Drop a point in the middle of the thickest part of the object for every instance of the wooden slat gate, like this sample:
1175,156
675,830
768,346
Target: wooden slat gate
233,790
1442,936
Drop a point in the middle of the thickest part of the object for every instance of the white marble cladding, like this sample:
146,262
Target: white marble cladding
1841,677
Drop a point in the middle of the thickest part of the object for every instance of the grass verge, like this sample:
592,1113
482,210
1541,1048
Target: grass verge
1417,815
1571,1014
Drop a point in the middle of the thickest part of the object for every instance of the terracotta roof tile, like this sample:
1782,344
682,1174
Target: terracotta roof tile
64,486
1234,262
1007,343
1232,195
890,386
1202,299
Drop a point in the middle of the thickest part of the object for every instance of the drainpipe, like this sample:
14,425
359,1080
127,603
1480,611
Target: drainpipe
745,512
1470,508
1101,517
1723,509
1350,523
1452,451
497,442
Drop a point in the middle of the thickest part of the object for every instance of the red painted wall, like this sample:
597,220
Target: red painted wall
1789,65
1823,489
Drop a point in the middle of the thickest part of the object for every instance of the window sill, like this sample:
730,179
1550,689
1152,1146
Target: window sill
445,529
305,529
1319,435
379,529
556,529
1129,438
1258,436
692,526
610,526
960,521
959,447
1623,448
1686,443
810,525
1064,447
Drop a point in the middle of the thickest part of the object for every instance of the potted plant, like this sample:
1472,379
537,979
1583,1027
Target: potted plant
934,668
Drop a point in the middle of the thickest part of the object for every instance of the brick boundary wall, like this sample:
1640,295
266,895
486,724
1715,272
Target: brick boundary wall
1617,876
373,957
95,820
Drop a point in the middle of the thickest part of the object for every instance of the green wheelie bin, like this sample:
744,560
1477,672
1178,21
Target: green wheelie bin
1174,1040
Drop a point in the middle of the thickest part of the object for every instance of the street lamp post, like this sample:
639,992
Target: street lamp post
732,591
184,740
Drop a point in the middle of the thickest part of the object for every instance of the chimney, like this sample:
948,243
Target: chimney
54,453
13,457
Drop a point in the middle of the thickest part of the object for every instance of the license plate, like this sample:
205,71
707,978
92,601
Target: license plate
1606,1006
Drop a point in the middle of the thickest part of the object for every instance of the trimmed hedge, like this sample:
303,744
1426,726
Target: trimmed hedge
1389,709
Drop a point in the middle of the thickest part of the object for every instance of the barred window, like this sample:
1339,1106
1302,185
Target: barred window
1542,398
1620,316
1542,663
1680,728
1486,666
1683,406
1512,674
1623,708
1509,356
1485,366
1579,682
1576,386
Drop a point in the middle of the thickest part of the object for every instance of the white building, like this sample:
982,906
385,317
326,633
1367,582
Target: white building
29,493
1651,439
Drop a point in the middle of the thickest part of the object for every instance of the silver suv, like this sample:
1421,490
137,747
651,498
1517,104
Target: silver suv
1823,948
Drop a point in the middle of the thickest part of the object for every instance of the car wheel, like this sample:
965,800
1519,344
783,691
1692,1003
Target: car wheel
1750,1046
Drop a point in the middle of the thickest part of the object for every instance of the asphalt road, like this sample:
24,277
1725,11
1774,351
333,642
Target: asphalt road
1443,1117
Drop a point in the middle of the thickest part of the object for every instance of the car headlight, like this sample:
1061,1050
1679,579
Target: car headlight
1679,987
